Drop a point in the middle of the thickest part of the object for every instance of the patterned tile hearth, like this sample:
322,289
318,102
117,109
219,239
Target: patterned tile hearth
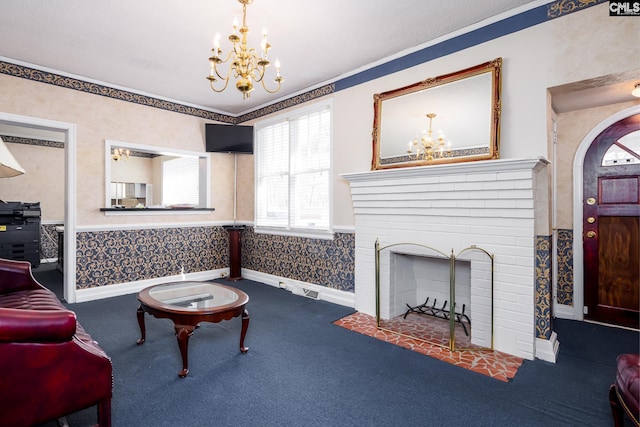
422,334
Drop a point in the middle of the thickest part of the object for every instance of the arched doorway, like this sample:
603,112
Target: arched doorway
610,224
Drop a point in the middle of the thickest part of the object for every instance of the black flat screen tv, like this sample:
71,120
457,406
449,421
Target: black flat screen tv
228,138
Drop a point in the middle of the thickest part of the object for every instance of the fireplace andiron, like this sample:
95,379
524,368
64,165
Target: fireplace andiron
441,312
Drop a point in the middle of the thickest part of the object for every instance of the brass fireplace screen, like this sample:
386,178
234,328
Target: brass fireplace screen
447,311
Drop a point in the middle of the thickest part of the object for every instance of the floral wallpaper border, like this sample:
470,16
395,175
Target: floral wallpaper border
564,7
36,75
96,89
454,153
32,141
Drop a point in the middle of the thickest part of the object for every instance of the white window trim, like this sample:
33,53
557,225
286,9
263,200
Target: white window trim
298,232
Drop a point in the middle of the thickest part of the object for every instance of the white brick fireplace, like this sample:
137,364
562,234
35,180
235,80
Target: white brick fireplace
498,205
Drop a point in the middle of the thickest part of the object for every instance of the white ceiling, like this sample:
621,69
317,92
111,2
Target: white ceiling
160,47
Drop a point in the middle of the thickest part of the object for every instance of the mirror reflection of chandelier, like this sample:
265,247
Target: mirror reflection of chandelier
120,153
245,66
426,147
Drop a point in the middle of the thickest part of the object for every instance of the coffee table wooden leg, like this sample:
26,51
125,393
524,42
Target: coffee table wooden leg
143,333
245,326
183,332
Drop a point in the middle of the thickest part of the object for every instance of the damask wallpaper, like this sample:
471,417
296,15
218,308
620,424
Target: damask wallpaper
327,263
565,267
543,295
49,241
120,256
108,257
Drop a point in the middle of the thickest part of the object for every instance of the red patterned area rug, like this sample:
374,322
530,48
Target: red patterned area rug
412,333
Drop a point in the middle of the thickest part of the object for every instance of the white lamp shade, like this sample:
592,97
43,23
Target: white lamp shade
9,166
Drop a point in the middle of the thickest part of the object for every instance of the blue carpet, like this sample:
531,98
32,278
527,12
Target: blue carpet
303,370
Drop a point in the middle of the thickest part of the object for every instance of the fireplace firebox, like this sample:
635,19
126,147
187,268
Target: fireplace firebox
424,281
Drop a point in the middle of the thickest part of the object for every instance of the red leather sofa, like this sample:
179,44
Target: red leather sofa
624,394
49,366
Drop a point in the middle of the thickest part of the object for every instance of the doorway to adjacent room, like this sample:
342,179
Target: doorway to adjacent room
611,214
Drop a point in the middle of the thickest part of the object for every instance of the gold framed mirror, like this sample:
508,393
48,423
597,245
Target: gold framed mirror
451,118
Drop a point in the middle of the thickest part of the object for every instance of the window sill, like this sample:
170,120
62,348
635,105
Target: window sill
309,234
155,211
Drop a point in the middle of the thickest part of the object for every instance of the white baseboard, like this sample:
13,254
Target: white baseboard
547,350
565,312
347,299
100,292
297,287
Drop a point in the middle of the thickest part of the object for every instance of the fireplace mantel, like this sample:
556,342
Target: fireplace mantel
485,166
499,205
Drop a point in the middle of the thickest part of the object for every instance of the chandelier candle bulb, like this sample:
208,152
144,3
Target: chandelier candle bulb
264,45
234,38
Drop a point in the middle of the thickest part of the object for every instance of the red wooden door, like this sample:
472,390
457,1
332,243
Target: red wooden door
611,225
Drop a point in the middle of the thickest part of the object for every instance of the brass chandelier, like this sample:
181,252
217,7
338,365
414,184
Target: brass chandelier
246,65
427,147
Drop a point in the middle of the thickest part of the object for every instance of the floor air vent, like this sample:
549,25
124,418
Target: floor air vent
310,294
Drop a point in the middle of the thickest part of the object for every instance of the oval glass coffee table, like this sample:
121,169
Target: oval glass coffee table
187,304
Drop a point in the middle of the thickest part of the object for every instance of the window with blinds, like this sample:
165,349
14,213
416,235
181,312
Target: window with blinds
180,181
292,172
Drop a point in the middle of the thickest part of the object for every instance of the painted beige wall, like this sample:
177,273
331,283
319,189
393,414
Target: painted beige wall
99,118
245,199
589,44
43,180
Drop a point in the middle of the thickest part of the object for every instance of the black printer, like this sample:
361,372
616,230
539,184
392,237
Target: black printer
20,231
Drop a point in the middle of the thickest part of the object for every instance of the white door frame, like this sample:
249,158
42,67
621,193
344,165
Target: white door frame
578,180
69,130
